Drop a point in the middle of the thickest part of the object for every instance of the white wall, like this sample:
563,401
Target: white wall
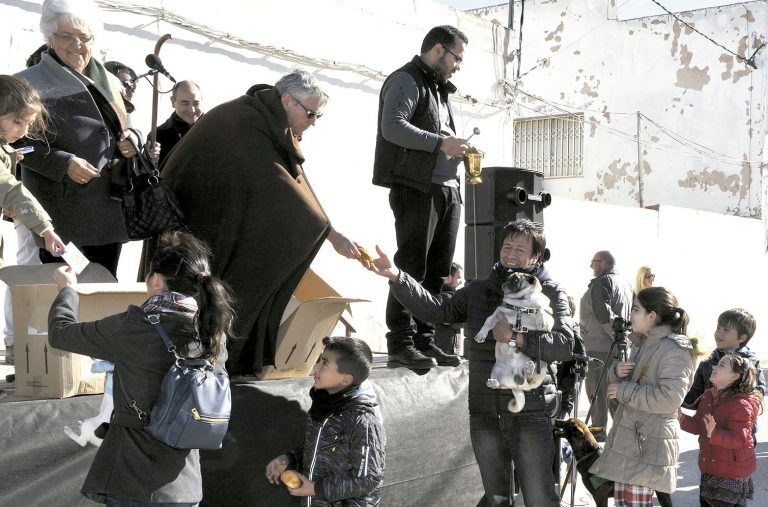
610,70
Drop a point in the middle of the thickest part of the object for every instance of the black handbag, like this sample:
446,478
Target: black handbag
149,204
192,411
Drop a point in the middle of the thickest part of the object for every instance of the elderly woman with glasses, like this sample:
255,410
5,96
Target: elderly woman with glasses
74,172
239,179
644,279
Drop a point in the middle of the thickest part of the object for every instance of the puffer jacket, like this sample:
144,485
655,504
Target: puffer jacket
642,446
343,454
731,450
701,380
472,304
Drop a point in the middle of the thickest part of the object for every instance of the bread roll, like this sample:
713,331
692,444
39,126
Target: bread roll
365,254
291,479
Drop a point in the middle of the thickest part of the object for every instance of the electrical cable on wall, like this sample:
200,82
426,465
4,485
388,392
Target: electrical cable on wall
161,14
749,61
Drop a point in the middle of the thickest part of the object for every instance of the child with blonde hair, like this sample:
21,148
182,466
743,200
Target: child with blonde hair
724,421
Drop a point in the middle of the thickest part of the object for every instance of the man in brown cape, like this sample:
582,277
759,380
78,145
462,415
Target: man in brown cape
239,180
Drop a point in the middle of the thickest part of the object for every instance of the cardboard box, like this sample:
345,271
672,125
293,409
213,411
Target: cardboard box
41,370
312,314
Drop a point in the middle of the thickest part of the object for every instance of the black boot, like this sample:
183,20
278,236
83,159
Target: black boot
441,357
409,357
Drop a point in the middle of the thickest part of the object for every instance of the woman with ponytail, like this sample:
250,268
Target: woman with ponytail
641,450
131,467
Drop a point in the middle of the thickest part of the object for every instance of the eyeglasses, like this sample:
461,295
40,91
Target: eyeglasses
457,57
650,276
129,84
310,113
595,261
68,38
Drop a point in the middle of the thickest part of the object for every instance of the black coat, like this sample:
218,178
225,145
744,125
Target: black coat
472,304
130,463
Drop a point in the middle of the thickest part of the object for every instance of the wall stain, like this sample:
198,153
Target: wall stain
706,179
590,91
692,78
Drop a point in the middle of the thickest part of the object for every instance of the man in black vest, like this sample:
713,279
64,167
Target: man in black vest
417,157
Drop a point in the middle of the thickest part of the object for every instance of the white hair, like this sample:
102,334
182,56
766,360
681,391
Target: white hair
301,85
84,15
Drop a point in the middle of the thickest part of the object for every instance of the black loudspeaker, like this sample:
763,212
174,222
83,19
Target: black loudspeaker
506,194
482,244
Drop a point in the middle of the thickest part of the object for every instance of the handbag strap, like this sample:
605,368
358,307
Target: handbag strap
143,166
153,319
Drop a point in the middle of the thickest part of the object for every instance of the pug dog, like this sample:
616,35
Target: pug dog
526,309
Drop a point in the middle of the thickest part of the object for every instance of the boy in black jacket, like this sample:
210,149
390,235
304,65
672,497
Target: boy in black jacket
342,462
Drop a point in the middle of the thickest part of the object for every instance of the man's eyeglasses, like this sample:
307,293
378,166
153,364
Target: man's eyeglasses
595,261
68,38
457,57
310,113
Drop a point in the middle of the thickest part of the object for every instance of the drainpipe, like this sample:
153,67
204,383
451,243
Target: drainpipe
640,184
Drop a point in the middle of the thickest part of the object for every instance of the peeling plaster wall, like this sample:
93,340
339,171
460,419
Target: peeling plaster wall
713,103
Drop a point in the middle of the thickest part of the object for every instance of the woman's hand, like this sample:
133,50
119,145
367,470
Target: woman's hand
613,390
307,487
64,277
154,153
343,245
502,331
125,147
382,266
53,243
81,171
275,468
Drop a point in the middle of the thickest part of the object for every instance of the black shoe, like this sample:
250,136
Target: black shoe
441,357
409,357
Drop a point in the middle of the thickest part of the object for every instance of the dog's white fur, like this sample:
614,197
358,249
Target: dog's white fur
513,369
88,426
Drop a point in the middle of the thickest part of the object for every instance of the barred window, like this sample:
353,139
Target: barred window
550,144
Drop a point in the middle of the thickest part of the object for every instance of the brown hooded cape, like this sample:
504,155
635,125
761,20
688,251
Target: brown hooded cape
238,176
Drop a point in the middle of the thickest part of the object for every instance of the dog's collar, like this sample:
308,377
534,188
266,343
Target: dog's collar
531,311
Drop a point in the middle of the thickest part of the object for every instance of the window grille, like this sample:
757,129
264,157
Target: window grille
553,145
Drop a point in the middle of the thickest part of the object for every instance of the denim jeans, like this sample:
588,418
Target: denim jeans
426,226
524,439
114,501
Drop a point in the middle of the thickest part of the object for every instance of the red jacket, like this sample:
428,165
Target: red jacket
731,451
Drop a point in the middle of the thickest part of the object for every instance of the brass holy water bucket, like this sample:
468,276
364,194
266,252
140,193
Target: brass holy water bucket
473,167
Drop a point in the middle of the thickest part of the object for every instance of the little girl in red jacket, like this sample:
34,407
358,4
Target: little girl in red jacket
724,421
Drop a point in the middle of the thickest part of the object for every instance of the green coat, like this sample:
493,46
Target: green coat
17,201
648,402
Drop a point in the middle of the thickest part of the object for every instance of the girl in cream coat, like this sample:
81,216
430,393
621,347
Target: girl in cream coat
642,448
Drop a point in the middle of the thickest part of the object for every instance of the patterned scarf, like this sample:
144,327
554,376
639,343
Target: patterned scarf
169,302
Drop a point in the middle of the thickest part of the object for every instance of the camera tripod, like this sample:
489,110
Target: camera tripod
580,369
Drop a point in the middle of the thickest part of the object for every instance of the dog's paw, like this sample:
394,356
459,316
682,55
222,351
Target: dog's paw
74,436
492,383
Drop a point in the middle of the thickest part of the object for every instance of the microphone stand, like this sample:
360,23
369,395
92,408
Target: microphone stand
150,72
153,132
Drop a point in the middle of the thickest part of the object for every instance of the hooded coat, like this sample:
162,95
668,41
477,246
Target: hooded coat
642,447
730,452
239,181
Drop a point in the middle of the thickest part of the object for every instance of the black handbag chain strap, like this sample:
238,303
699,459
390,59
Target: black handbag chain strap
143,167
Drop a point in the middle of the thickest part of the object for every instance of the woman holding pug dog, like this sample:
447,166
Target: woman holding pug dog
642,447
